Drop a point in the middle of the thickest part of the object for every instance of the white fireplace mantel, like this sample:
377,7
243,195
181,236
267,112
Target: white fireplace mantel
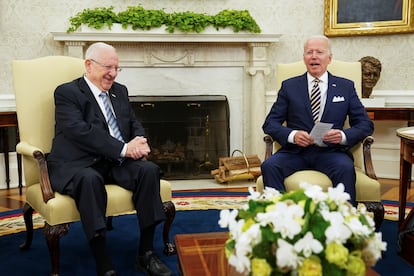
148,36
232,63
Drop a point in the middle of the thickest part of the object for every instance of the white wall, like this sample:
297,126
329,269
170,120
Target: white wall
25,26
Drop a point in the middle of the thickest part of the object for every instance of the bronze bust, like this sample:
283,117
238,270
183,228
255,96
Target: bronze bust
371,71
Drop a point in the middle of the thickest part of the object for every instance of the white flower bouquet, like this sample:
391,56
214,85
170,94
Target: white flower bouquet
307,232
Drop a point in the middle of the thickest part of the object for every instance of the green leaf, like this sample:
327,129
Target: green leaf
318,226
139,18
331,269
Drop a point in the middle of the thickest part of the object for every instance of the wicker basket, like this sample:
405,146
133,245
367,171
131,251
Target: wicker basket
237,167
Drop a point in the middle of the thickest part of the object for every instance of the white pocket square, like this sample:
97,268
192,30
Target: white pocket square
337,99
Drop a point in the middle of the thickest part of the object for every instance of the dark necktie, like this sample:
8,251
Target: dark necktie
315,99
112,123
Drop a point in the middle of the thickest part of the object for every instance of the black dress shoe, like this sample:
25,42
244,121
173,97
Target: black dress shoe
151,264
110,273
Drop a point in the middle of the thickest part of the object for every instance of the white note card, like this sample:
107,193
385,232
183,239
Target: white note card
318,131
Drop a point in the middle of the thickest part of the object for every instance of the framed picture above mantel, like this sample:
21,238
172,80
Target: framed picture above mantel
368,17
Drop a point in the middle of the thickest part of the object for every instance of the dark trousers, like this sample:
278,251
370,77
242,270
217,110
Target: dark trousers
141,177
337,165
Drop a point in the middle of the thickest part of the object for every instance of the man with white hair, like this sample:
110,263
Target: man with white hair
302,102
97,141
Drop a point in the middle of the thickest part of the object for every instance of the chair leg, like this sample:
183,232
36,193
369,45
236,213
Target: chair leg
169,210
53,235
378,210
28,221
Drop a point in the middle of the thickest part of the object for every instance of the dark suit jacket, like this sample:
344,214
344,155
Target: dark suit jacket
293,107
81,132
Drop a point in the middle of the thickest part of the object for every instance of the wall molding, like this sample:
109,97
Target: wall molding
395,98
7,102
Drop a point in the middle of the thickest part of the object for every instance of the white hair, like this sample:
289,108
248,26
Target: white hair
93,50
319,37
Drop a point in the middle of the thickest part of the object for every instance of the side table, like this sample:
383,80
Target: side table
405,114
406,242
406,135
9,119
204,254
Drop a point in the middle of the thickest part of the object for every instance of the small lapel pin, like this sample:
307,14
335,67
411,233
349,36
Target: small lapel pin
113,95
334,84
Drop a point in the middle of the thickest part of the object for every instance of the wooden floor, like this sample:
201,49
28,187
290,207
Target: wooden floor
10,199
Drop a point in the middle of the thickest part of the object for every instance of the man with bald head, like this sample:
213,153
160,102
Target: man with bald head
97,141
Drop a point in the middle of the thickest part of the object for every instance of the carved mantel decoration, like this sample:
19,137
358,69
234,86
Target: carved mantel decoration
231,64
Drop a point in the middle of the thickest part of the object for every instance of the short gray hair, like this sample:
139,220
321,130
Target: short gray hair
93,50
319,37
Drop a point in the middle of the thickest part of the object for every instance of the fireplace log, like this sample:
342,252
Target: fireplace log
232,168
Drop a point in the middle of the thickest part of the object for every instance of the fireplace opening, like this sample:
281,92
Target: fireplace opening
187,134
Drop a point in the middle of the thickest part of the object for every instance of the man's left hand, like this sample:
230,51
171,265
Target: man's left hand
138,148
333,136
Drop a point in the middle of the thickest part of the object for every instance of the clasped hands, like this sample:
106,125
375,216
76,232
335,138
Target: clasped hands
138,148
304,139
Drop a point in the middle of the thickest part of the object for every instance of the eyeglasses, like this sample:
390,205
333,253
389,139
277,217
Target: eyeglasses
314,52
108,67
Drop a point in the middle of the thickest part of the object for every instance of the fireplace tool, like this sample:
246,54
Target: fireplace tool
207,165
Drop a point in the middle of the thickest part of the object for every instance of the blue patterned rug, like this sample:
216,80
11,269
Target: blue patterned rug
12,222
123,241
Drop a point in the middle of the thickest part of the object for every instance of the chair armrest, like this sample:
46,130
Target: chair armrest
26,149
366,149
29,150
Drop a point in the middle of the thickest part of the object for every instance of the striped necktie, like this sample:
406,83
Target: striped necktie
315,99
112,123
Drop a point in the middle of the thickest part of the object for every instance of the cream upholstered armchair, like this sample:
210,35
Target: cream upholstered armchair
368,189
34,84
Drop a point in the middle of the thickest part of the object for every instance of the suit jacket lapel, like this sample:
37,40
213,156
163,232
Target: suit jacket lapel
88,94
329,94
113,96
117,104
303,86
